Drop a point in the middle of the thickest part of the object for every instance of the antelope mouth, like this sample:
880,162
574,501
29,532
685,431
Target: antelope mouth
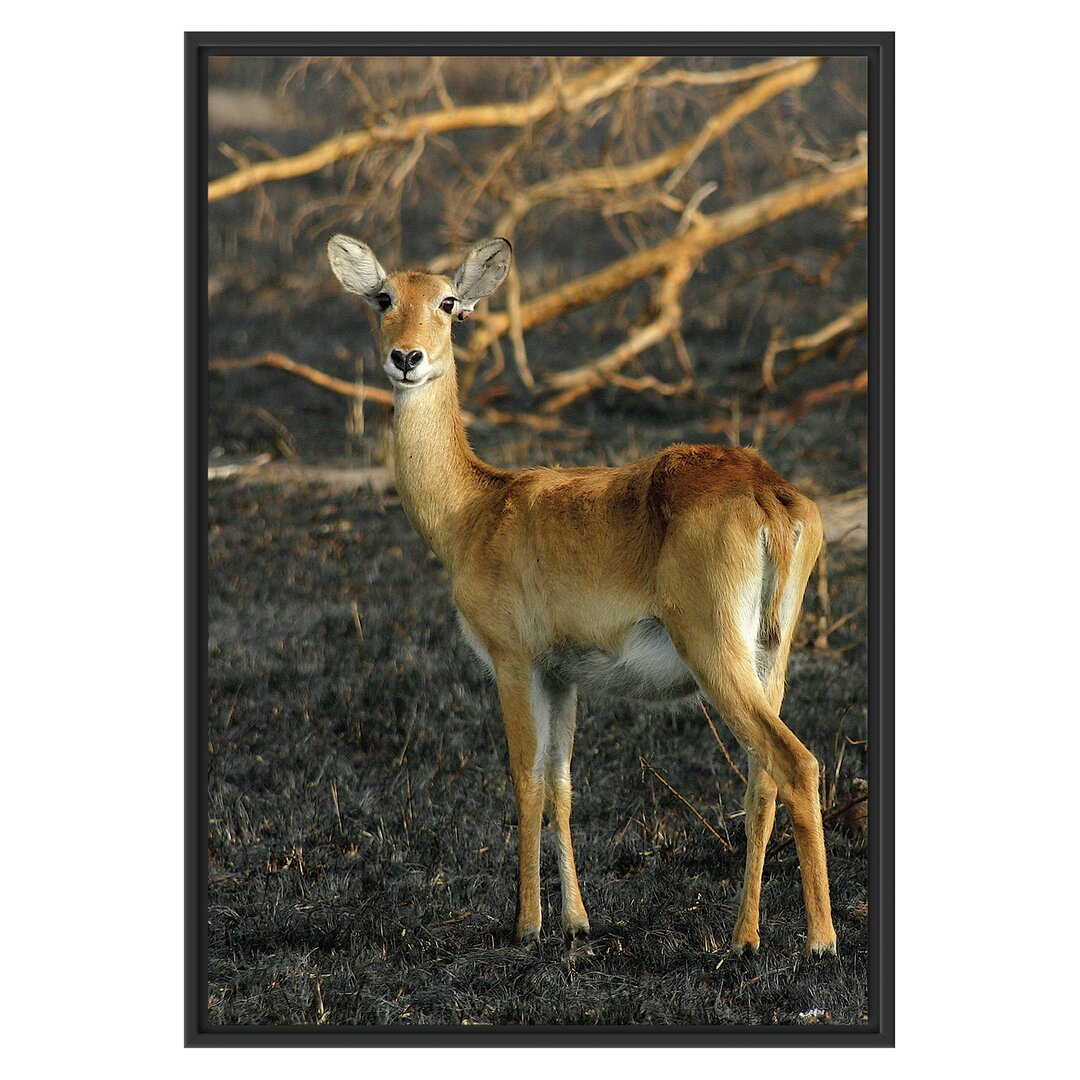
410,379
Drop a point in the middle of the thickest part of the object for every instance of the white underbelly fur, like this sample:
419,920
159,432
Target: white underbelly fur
647,667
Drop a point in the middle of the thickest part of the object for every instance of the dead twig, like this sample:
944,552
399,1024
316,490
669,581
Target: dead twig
819,396
721,78
810,346
686,802
517,338
720,742
579,381
812,398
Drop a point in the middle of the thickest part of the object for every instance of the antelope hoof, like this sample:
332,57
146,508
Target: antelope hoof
577,941
745,944
825,946
528,939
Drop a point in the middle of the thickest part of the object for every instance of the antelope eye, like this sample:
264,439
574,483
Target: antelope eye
448,305
383,300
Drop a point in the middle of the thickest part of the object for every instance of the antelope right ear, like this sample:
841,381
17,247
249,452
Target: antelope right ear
355,266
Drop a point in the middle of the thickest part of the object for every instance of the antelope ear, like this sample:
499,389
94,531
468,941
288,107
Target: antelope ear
483,271
355,266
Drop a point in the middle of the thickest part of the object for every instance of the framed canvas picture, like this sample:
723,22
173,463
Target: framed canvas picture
540,539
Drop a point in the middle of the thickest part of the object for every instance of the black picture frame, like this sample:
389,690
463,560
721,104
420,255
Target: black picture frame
878,49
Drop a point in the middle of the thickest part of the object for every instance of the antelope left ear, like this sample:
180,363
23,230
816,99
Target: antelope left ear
483,271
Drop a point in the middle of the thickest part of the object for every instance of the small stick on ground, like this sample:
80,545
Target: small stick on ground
686,802
720,742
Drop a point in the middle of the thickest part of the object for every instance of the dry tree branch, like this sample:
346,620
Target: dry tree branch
368,393
597,83
579,381
852,319
812,345
722,78
406,167
707,232
533,423
679,157
819,396
650,382
314,375
517,338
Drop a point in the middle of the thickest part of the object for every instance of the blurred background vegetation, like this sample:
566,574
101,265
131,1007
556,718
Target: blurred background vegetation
689,233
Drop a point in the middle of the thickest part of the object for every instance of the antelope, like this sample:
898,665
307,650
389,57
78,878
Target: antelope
678,574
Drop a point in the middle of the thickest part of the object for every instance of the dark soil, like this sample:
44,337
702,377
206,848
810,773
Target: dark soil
361,825
361,819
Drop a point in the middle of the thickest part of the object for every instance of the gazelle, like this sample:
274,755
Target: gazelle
679,573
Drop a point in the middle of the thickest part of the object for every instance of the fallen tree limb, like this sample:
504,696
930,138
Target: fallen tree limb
679,157
810,346
844,517
314,375
262,471
777,417
579,381
819,396
705,233
599,82
380,397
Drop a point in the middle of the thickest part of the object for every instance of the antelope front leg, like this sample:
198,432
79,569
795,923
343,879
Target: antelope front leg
526,742
560,703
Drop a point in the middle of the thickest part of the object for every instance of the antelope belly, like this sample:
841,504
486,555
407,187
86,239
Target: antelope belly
646,668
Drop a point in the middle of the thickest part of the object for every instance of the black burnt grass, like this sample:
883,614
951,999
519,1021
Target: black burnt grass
362,836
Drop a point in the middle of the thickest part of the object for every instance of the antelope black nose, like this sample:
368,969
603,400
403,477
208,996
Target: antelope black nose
406,361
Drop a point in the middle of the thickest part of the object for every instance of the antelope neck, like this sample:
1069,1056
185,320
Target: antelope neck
439,477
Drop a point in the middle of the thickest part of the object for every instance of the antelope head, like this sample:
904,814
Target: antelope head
416,310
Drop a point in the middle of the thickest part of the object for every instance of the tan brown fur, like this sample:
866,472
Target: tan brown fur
546,559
